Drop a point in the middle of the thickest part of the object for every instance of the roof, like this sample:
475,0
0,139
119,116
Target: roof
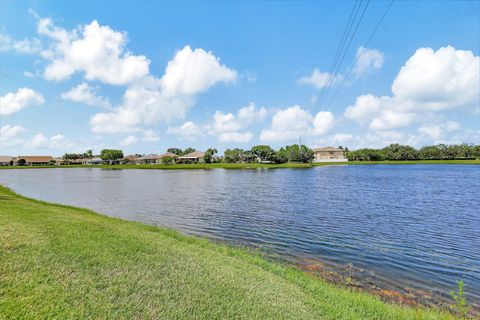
169,154
5,158
193,155
35,158
150,157
327,149
131,157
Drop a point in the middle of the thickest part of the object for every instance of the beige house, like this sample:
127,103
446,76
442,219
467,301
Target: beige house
130,159
329,154
193,157
155,158
6,161
35,160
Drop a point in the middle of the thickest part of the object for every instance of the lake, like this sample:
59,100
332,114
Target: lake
411,228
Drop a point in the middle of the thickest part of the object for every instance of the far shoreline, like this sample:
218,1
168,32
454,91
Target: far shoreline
240,166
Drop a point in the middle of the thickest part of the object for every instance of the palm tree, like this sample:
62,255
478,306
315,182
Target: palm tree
89,155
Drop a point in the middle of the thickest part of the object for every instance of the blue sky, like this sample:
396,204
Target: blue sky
145,76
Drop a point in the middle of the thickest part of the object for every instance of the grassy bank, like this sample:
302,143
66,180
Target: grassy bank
65,262
247,165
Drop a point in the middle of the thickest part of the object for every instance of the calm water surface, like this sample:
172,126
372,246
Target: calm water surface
414,226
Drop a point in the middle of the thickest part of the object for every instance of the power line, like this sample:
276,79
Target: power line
341,44
338,65
361,52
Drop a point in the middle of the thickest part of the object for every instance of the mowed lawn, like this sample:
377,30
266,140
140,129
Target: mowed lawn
65,263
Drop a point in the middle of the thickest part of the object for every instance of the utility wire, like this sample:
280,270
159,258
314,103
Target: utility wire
341,44
361,52
338,65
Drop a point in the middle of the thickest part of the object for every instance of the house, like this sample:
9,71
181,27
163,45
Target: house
168,155
35,160
95,161
155,158
6,161
193,157
148,159
129,159
59,161
329,154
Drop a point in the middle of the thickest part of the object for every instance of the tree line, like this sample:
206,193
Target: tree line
301,153
266,154
259,153
405,152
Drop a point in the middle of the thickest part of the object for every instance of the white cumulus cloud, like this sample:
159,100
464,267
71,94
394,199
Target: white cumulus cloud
319,79
29,46
430,81
56,142
99,52
13,102
150,136
153,100
194,71
237,137
84,93
9,135
229,122
291,123
367,60
188,130
128,141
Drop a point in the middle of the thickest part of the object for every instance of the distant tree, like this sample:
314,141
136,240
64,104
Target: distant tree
188,150
208,155
111,155
405,152
52,162
476,151
248,156
168,160
233,155
177,151
365,155
295,153
21,162
399,152
430,153
306,154
264,153
89,154
11,162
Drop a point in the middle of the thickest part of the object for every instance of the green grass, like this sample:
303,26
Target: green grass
247,165
63,262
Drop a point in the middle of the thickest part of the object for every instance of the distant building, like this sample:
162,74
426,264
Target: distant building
35,160
6,161
193,157
329,154
130,159
59,161
95,161
155,158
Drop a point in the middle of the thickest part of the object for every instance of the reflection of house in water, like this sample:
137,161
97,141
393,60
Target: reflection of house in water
329,154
